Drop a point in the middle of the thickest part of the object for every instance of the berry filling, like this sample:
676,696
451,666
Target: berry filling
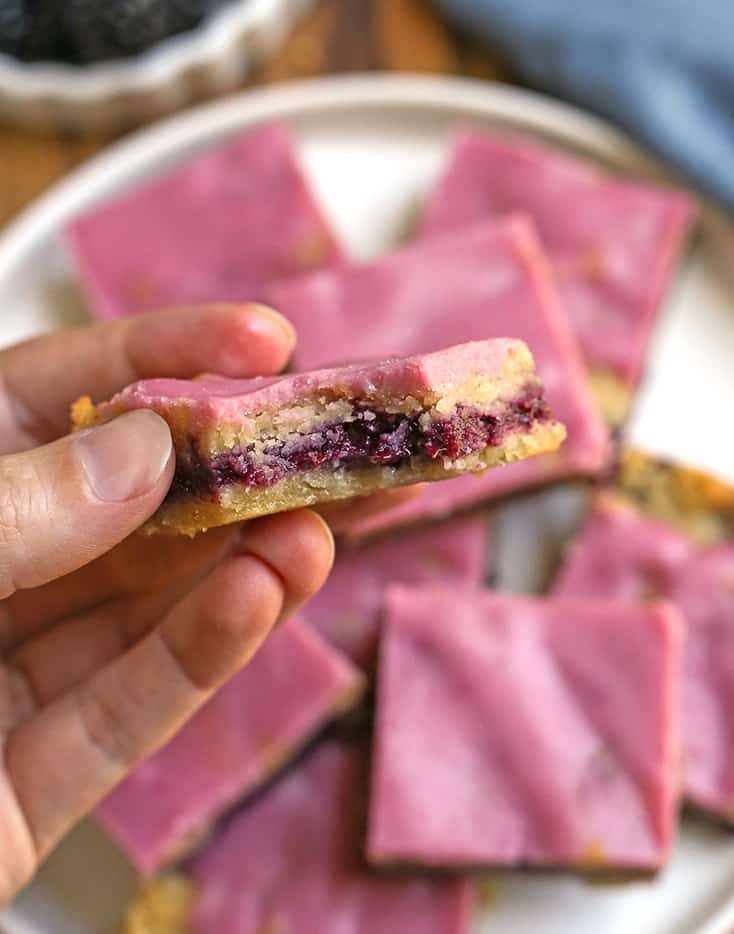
369,437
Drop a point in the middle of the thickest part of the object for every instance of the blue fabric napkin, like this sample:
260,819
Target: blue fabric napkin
662,69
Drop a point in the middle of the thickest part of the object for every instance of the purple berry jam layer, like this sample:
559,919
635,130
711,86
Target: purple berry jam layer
370,437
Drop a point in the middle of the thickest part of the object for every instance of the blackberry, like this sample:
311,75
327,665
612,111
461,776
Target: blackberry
98,30
187,14
15,24
86,31
44,41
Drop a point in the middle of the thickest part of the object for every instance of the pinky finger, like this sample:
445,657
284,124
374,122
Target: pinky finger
64,759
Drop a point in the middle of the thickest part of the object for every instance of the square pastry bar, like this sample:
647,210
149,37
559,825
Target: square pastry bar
492,281
552,735
668,531
348,609
292,862
252,727
245,448
613,242
218,228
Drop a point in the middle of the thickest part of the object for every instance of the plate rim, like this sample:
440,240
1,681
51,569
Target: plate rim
527,110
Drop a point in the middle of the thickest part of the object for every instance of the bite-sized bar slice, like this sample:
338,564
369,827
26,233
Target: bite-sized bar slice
667,533
613,242
245,448
490,281
293,862
249,729
218,228
347,610
517,731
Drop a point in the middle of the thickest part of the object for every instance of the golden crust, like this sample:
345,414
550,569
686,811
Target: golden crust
84,413
312,487
613,396
162,906
700,505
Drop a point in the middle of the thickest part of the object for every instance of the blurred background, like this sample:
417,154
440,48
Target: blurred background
331,36
77,74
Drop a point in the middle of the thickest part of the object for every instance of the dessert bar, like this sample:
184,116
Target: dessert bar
348,609
292,862
614,243
253,725
667,532
246,448
517,731
216,229
492,281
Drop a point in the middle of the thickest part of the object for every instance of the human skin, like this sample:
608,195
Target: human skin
109,641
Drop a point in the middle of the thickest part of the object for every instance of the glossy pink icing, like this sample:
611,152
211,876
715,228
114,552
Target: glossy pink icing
215,400
218,228
251,726
704,592
489,281
347,610
292,864
613,243
514,731
623,555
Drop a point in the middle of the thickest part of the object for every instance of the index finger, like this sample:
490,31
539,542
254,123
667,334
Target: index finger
41,377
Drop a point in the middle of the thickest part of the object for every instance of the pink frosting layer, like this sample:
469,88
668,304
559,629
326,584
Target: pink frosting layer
348,608
217,229
621,554
613,243
519,731
251,726
292,863
216,400
489,281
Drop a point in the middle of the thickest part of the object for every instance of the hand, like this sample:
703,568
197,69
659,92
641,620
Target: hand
108,643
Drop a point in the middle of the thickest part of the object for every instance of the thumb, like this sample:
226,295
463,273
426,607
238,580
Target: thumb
66,503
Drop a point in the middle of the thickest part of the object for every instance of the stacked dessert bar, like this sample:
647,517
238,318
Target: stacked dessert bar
554,731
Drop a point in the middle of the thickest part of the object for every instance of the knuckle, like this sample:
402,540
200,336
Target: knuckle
22,496
107,728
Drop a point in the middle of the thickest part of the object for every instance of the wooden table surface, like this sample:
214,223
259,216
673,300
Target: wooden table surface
338,36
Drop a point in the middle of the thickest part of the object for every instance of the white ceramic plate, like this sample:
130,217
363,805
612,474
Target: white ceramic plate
372,146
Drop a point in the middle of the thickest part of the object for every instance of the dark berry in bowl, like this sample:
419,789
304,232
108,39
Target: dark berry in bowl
89,31
187,14
97,30
15,24
45,39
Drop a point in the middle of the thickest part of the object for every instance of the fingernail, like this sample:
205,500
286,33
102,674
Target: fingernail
327,531
126,457
274,321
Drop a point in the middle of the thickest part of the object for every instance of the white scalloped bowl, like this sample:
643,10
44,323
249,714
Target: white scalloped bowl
191,66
